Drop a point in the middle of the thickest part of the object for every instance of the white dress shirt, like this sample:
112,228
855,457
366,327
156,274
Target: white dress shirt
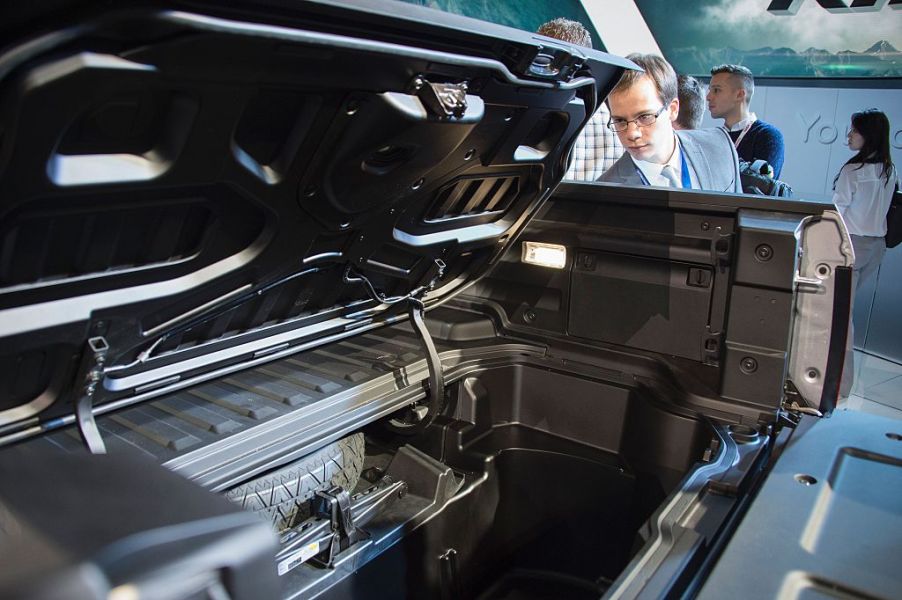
863,197
653,172
740,125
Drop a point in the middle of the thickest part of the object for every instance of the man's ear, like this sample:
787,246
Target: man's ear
674,109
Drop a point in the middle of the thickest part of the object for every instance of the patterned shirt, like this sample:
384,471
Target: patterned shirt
596,148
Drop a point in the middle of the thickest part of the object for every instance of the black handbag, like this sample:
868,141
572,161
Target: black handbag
894,221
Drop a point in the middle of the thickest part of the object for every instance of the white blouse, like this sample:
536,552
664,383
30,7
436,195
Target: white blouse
862,196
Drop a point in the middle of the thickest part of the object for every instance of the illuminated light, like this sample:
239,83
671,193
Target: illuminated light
124,592
544,255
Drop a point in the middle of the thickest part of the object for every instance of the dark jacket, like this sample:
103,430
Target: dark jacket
762,142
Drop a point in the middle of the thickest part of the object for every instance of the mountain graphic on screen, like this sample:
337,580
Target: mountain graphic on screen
881,59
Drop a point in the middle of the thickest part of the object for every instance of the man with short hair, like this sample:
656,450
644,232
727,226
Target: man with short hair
597,147
644,105
572,32
692,103
729,95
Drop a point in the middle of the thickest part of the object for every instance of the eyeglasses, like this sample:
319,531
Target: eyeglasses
643,120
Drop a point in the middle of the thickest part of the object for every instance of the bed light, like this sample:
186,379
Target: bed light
544,255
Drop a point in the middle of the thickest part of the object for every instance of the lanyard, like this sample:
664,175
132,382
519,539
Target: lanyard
745,130
684,173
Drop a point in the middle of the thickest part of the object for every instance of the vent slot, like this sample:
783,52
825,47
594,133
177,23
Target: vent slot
471,197
43,247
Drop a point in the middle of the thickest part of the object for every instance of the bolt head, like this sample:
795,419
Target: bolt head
764,252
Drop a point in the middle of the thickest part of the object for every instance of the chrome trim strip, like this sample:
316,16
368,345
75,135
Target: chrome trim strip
29,409
463,235
147,377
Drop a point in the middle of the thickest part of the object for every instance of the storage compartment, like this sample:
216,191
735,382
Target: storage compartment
653,304
560,472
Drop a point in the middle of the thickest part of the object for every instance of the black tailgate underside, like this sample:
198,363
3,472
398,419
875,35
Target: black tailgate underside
196,187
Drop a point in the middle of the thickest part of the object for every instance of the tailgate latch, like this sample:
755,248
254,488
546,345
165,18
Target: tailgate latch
445,100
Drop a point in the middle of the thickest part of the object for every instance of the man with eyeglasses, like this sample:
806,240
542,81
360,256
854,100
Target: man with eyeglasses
644,105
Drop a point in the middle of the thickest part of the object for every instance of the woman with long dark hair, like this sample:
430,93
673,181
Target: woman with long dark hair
862,192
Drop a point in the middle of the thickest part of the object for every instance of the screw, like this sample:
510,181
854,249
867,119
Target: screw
310,191
353,107
529,316
764,252
418,183
748,365
706,226
470,154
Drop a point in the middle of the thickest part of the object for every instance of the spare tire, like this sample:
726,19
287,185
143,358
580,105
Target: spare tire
282,495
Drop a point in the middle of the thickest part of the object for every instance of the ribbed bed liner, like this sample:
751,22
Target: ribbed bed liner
188,420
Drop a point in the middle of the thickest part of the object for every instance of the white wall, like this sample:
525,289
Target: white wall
814,122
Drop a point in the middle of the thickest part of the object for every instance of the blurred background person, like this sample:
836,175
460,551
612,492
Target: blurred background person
596,148
692,103
862,192
729,95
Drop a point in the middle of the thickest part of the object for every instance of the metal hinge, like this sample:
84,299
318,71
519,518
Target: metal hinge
90,375
795,404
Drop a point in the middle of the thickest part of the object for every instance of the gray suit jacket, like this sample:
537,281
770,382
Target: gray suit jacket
709,152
